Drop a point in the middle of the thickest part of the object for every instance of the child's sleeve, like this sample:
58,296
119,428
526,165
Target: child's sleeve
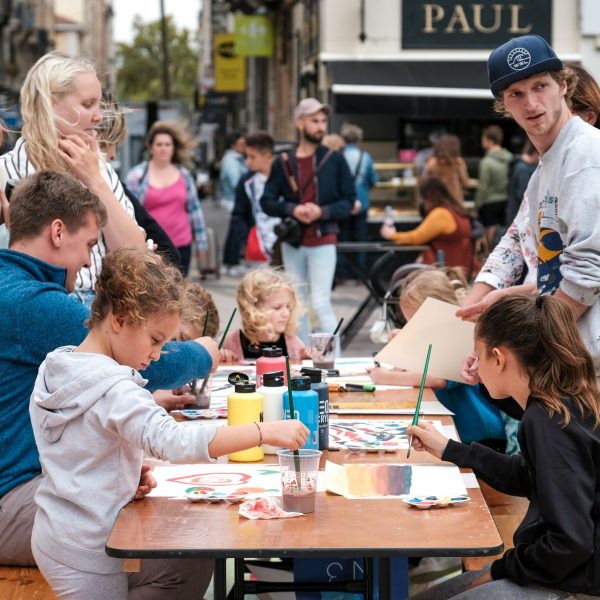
507,474
130,411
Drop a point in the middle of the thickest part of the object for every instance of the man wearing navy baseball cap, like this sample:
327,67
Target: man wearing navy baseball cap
531,85
559,218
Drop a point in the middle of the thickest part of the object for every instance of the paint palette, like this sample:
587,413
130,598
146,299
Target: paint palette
197,494
425,502
207,413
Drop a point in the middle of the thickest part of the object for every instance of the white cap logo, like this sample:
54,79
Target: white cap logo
518,59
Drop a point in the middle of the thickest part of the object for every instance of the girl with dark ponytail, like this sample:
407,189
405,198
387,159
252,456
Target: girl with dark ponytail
529,348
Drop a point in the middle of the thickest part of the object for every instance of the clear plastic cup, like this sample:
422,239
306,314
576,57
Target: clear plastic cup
202,397
323,348
299,479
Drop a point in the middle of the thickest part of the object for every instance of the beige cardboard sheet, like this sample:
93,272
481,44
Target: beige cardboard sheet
434,323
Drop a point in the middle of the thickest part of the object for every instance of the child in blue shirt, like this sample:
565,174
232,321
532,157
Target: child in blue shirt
475,418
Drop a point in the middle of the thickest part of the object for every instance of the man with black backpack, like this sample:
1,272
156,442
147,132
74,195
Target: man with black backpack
312,190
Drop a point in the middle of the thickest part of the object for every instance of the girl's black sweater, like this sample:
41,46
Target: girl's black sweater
558,543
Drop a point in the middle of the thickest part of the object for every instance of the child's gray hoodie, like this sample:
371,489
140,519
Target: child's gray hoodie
93,422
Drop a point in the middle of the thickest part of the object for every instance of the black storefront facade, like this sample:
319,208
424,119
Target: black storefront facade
438,79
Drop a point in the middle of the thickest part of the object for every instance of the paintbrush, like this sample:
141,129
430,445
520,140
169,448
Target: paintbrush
194,381
220,345
292,413
416,417
329,346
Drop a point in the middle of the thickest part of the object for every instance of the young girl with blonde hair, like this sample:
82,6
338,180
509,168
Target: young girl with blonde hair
270,312
529,348
60,105
475,418
93,422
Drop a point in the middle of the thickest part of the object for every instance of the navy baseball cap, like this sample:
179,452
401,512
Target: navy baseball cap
518,59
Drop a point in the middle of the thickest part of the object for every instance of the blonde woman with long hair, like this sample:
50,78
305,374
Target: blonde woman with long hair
60,106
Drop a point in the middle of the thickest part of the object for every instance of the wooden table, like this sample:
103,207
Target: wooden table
163,528
380,399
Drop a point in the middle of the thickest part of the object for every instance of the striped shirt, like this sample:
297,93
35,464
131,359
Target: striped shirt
17,166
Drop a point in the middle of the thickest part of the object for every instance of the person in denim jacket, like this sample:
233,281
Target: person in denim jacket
360,164
233,167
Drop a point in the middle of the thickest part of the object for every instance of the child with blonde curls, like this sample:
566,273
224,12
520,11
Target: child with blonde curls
93,422
475,418
270,311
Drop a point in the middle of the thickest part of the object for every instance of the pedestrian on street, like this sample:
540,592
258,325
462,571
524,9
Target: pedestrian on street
360,163
167,190
312,189
492,189
232,168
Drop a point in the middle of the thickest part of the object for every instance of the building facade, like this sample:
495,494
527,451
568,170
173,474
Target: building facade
399,68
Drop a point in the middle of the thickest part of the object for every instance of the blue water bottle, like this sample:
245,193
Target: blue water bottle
306,409
322,389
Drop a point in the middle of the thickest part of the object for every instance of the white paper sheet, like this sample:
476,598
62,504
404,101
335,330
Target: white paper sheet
434,323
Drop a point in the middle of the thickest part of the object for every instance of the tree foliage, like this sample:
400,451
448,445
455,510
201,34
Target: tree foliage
139,74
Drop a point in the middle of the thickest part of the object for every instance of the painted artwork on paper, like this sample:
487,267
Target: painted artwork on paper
376,434
229,479
393,480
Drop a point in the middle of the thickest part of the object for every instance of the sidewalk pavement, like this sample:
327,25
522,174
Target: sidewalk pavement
346,298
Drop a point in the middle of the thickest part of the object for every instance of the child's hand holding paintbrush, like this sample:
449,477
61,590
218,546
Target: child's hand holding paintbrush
425,437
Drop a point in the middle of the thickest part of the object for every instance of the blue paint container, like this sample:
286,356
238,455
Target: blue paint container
322,389
306,409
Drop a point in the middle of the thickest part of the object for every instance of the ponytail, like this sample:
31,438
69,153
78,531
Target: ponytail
541,332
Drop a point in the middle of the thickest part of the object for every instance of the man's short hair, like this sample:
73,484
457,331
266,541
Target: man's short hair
39,199
351,133
232,137
494,133
261,141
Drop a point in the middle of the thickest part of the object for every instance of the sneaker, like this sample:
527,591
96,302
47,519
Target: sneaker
237,271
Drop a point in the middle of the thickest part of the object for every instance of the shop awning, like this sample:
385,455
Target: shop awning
413,88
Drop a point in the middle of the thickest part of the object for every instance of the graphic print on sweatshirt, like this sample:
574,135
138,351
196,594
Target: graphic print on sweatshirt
550,246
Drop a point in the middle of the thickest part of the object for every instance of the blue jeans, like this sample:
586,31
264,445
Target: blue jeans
500,589
313,269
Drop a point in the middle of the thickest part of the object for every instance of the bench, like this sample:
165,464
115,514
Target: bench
27,583
24,583
507,512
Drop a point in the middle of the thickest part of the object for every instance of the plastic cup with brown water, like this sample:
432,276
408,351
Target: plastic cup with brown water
299,487
203,393
323,348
